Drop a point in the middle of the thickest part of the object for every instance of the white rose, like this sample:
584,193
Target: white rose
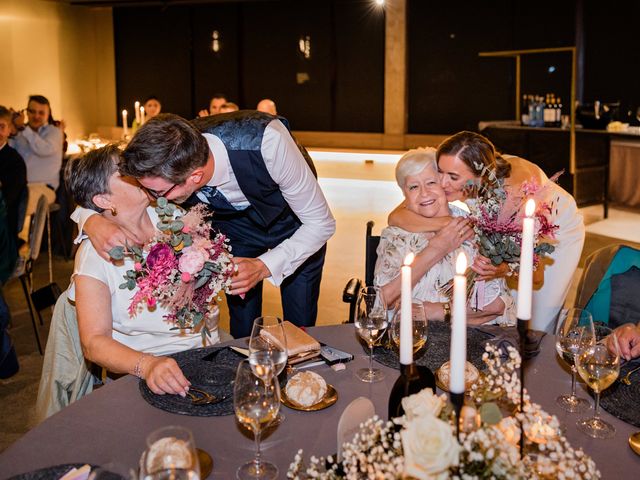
423,403
430,448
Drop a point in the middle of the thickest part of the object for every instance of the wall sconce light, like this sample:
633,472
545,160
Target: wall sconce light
304,45
215,41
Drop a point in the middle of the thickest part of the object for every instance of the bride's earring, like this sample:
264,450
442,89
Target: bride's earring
114,212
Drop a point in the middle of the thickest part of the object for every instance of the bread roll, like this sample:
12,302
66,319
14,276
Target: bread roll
166,452
306,388
471,374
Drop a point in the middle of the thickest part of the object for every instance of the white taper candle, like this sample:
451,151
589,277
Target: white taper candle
525,274
125,126
458,354
136,108
406,327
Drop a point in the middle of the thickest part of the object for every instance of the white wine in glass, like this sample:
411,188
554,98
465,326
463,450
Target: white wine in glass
574,332
420,326
256,404
371,322
599,367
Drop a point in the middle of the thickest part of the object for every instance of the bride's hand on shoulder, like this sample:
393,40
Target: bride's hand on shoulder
105,234
487,270
163,375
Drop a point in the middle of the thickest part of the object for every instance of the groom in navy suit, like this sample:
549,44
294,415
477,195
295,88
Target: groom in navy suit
265,198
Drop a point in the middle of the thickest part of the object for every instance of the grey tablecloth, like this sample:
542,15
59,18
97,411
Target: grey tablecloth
109,426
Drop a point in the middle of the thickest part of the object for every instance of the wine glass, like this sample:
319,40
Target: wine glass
267,335
599,367
170,455
256,403
420,326
371,322
268,343
573,331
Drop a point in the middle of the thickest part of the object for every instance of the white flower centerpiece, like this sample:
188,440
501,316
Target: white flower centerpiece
422,444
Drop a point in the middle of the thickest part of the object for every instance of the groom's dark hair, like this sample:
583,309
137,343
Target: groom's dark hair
166,146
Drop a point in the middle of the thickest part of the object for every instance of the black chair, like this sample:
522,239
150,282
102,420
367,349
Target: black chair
351,290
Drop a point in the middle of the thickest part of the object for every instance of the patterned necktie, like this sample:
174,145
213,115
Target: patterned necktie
216,200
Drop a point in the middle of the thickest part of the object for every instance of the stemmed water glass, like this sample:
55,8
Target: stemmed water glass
268,343
256,403
420,327
574,331
371,323
599,367
170,455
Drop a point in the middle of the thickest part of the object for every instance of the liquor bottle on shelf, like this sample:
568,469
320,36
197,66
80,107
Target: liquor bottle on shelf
559,112
524,112
548,111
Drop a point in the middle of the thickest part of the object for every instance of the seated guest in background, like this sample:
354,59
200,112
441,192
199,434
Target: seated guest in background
228,162
13,175
434,265
229,107
40,143
267,106
110,337
467,156
215,103
152,107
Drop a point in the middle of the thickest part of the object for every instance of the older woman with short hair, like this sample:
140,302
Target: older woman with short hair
417,175
110,336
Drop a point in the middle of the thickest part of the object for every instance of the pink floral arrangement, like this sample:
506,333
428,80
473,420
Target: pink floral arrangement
497,217
183,268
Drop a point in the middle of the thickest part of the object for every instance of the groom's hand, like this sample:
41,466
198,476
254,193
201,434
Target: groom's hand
249,271
105,234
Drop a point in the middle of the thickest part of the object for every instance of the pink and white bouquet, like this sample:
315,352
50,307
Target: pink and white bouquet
497,215
183,268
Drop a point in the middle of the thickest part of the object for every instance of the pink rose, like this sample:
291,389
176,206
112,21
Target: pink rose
137,267
191,261
186,277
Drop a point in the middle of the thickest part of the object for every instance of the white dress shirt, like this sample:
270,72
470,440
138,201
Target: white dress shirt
298,186
42,153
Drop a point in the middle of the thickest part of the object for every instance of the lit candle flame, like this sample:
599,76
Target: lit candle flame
530,207
408,260
124,112
461,264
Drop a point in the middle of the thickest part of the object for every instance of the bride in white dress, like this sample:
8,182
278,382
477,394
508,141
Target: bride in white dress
466,156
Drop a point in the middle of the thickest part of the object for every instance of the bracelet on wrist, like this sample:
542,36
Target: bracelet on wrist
138,370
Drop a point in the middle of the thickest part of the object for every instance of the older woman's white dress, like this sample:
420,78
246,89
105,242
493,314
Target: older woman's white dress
148,331
396,243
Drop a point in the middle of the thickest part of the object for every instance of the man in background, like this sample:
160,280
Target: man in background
267,106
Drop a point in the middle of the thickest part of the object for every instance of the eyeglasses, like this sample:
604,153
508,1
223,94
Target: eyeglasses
157,195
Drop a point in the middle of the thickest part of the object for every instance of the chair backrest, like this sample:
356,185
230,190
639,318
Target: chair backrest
371,254
38,221
22,208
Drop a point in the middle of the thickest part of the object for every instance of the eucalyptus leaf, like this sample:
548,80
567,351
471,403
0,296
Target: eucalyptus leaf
175,241
177,225
162,202
122,286
187,240
496,260
131,284
117,253
490,413
201,281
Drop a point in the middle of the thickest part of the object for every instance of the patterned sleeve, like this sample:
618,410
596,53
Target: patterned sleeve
391,252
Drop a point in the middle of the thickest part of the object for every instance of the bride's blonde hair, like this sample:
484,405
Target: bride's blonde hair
415,161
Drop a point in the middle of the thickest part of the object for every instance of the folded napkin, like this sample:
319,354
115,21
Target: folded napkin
81,473
508,336
300,345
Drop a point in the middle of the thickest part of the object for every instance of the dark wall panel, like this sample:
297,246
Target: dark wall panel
152,57
274,67
359,67
612,55
450,87
216,72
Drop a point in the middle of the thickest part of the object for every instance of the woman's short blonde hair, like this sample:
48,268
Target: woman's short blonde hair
413,162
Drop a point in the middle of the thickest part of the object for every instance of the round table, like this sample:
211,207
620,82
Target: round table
109,426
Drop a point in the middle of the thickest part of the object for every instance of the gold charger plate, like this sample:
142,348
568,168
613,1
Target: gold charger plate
468,381
206,463
329,399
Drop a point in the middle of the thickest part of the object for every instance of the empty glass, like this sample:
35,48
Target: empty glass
420,327
256,403
170,455
371,323
573,331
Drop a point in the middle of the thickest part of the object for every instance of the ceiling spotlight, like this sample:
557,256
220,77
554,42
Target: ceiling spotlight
380,3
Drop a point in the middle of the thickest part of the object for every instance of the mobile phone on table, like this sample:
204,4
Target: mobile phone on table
332,355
